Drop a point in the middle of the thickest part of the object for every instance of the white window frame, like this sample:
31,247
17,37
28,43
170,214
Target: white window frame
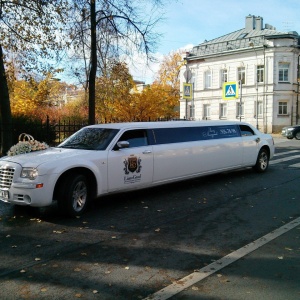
259,108
283,72
206,111
223,110
223,76
241,74
208,79
260,72
282,108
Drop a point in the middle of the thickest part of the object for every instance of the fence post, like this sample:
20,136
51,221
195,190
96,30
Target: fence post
48,129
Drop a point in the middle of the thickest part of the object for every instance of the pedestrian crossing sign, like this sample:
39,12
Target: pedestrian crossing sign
230,90
187,91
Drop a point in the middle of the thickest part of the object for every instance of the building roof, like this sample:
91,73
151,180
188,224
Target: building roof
254,34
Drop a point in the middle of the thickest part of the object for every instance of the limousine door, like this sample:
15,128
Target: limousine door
131,167
250,145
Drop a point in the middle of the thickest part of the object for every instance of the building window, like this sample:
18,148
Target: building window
191,112
206,111
207,79
242,75
224,76
259,109
223,111
239,109
282,108
283,72
260,73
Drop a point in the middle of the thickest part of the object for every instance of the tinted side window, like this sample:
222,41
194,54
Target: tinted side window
189,134
136,138
246,130
176,135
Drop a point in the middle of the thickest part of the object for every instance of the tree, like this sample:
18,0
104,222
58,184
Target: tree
156,101
113,93
168,73
168,80
29,30
127,24
30,96
118,99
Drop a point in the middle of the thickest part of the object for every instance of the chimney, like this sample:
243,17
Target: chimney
258,23
250,23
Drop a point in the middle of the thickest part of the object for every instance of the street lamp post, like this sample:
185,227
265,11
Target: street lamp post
187,75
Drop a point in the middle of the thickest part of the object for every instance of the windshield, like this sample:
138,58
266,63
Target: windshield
90,139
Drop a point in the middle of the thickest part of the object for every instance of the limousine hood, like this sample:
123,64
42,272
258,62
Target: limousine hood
50,155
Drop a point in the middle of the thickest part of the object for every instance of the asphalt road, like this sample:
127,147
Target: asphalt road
150,243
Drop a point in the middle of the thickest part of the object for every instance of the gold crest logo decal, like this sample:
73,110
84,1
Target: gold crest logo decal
132,164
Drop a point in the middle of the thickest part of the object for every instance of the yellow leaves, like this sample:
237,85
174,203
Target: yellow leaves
168,73
22,98
59,231
77,270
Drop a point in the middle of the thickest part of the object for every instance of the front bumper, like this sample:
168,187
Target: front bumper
37,195
22,191
287,133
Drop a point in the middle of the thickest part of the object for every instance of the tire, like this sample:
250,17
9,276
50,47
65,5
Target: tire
290,138
297,135
262,161
73,195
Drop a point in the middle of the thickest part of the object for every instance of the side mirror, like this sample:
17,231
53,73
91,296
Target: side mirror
123,144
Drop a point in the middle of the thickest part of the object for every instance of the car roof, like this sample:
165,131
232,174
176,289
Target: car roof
166,124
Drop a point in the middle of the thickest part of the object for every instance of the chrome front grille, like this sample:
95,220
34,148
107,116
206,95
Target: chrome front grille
6,177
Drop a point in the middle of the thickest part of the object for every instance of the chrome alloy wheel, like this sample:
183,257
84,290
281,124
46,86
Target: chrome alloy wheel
79,196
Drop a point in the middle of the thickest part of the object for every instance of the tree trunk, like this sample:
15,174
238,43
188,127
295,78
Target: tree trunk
93,69
5,112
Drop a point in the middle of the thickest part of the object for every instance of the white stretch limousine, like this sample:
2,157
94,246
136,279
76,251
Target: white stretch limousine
107,158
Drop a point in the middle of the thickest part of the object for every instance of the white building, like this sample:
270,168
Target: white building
264,60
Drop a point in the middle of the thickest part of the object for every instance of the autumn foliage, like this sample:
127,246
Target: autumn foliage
118,98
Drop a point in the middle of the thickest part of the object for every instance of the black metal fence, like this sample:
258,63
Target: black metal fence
63,129
51,132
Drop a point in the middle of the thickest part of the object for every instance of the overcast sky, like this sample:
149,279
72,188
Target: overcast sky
190,22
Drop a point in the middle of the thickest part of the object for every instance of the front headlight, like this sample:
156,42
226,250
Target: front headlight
30,173
289,129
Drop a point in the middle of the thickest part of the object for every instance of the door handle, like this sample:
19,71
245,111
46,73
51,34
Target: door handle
147,152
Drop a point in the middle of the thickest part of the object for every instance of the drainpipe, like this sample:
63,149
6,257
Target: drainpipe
265,121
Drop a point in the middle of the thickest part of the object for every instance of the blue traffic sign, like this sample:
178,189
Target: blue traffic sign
230,90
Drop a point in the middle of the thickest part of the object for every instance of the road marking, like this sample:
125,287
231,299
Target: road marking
201,274
295,165
280,160
284,153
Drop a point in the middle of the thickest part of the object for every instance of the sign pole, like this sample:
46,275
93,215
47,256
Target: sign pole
241,93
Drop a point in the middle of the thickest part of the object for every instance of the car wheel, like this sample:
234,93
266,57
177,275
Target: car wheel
297,135
289,137
262,161
73,196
